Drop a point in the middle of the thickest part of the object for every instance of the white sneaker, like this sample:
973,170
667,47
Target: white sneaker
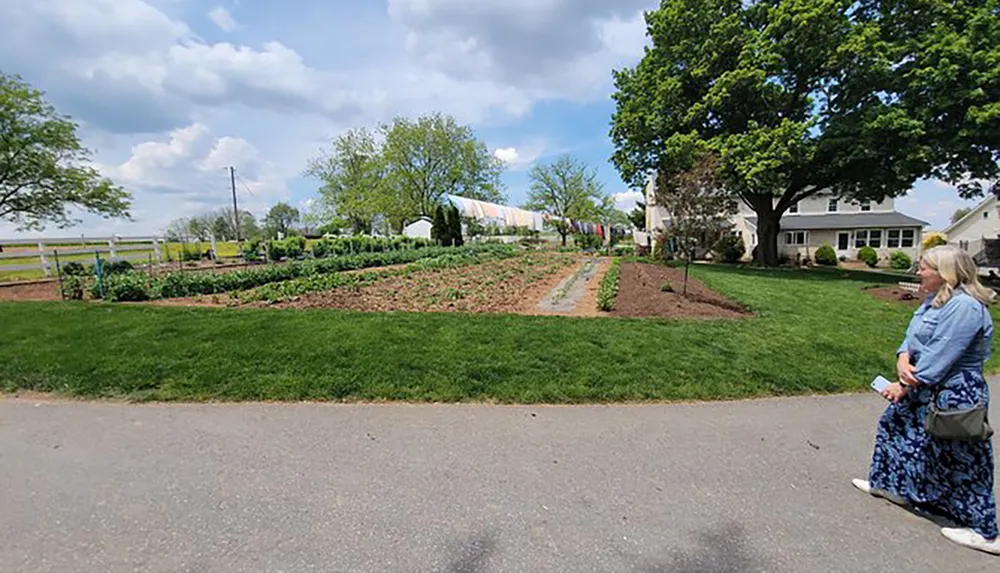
969,538
866,487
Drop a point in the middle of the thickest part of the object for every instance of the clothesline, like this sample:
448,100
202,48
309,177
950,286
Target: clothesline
517,217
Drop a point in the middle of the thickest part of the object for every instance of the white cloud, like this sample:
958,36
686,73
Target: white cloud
626,201
523,156
506,154
223,19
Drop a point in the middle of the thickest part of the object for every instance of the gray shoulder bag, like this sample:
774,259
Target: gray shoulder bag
967,425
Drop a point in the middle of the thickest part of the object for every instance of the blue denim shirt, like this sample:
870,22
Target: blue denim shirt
943,342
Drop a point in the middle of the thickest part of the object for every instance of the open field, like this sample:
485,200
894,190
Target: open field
810,332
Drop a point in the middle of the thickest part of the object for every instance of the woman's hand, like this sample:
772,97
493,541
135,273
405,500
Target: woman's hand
894,392
905,370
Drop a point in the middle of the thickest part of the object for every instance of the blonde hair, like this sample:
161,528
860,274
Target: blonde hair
959,272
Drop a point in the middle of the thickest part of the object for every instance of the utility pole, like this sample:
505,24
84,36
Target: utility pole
236,211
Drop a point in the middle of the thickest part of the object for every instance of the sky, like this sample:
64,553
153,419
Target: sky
169,93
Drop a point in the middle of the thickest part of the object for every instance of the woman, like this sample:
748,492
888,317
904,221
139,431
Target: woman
946,345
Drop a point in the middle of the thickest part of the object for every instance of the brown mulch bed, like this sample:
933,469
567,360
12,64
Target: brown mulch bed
640,295
37,290
512,285
894,294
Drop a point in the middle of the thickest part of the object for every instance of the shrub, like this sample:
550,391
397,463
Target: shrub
825,255
932,240
729,248
72,287
868,256
74,269
251,250
116,267
192,254
585,241
624,250
900,261
607,293
322,249
294,247
275,250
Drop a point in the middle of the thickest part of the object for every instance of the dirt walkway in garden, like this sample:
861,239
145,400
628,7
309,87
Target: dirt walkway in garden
576,293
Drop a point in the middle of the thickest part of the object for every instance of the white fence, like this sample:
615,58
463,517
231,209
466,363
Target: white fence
50,250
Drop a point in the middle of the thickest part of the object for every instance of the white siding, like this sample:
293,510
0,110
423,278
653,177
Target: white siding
982,223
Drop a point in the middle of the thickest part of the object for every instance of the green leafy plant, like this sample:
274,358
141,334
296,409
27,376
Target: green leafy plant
74,269
666,287
868,256
825,255
729,248
607,293
900,261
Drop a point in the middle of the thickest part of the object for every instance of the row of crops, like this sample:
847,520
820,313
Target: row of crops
132,285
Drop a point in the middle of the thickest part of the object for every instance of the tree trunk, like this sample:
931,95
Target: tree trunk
687,266
768,228
563,234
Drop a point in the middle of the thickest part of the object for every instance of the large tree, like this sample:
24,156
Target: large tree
435,155
860,98
280,219
44,169
353,175
566,189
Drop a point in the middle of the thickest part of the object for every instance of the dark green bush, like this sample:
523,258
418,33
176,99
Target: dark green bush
607,292
251,250
275,250
116,267
825,255
900,261
74,269
295,247
729,248
868,256
72,287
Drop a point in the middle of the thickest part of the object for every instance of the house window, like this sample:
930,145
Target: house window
793,208
866,206
986,214
831,205
875,238
860,239
907,238
892,238
795,238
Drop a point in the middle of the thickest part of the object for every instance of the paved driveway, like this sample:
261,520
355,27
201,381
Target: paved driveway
750,486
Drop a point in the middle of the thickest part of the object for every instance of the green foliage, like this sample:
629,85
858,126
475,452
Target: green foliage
825,255
295,247
276,250
74,268
729,248
174,285
868,256
440,231
567,189
799,96
900,261
586,241
116,267
455,226
45,169
251,250
624,250
607,292
353,176
638,216
280,219
73,286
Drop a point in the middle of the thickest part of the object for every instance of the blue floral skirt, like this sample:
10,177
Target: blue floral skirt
951,478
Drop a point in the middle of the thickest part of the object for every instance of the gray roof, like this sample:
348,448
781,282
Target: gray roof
845,221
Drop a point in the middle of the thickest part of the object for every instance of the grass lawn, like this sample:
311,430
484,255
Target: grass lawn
816,333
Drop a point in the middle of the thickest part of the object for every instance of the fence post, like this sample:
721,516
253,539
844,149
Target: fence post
111,247
156,251
100,273
150,265
45,262
55,255
215,254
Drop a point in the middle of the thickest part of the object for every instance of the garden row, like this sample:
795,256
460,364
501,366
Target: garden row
296,247
138,286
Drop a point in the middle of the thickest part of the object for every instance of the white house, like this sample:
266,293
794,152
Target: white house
982,222
419,229
823,218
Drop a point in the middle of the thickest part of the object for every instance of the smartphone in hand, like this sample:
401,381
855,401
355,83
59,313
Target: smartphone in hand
879,384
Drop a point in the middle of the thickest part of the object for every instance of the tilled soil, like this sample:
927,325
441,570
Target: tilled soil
895,294
39,290
512,285
640,294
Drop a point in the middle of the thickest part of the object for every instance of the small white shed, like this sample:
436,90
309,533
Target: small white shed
419,229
